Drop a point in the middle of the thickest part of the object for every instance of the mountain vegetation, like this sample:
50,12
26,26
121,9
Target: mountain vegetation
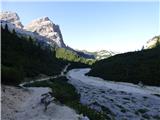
23,57
140,66
66,54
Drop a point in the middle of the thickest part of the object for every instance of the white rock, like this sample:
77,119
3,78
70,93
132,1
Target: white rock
11,17
41,29
45,27
152,42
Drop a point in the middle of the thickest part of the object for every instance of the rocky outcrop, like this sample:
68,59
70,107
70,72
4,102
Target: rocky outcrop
41,40
152,42
43,30
11,17
45,27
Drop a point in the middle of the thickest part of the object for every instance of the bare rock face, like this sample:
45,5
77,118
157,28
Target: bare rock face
45,27
152,42
11,17
42,29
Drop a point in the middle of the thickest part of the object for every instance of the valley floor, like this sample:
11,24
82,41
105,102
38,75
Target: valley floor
24,104
121,100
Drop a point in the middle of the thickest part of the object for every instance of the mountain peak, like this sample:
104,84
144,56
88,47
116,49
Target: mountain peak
41,26
45,18
11,17
45,27
42,19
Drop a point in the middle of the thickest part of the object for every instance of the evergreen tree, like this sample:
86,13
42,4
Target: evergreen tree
158,43
13,32
6,28
21,58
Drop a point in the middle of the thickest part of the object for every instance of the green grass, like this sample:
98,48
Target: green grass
66,94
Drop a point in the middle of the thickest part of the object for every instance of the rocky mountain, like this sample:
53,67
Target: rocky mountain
45,27
43,41
42,29
11,17
12,20
152,42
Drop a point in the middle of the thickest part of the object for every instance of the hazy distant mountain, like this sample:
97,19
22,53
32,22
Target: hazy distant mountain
82,53
101,54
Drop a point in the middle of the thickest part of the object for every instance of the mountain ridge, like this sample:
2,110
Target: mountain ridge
42,29
100,54
45,27
11,17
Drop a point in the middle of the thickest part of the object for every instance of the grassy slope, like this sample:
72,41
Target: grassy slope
131,67
71,56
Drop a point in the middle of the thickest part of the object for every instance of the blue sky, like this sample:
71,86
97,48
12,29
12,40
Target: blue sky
117,26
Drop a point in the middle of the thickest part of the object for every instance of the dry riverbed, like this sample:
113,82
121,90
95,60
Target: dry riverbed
123,101
24,104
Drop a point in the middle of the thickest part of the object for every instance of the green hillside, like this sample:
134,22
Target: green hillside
71,56
131,67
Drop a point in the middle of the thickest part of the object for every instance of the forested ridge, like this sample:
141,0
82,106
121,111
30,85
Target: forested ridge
140,66
23,57
69,55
